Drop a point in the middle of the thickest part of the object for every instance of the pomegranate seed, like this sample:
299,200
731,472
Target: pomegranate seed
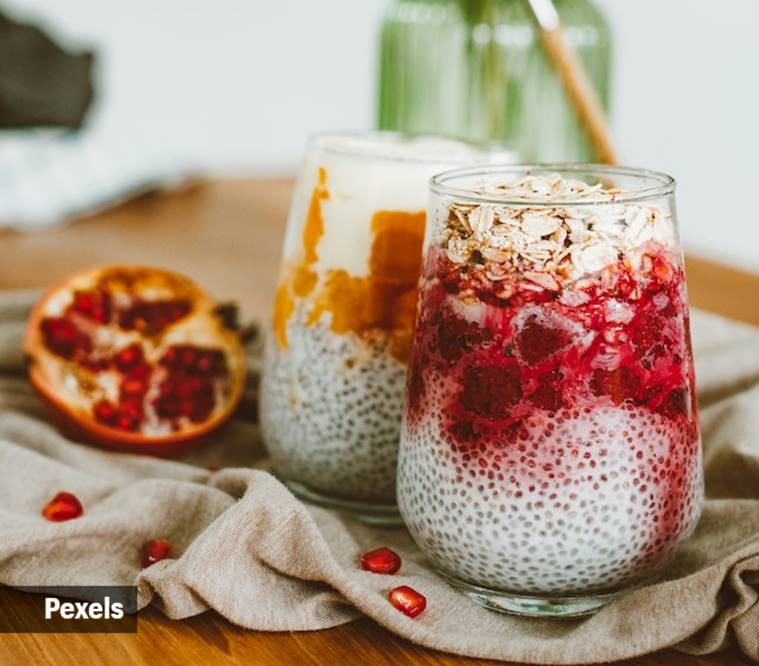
188,357
186,407
166,407
104,411
407,600
210,362
206,362
133,386
153,316
189,387
64,506
128,357
154,551
95,305
125,421
140,371
63,337
381,560
170,357
131,409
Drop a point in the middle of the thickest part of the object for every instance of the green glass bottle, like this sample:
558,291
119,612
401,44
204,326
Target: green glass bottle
476,69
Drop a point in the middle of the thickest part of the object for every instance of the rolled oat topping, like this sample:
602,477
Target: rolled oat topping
550,246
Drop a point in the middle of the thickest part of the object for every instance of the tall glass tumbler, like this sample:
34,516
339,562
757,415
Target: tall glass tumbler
335,361
550,453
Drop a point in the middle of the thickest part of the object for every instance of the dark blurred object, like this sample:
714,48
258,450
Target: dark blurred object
478,69
41,85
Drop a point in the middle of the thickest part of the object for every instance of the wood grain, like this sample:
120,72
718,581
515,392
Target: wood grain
227,235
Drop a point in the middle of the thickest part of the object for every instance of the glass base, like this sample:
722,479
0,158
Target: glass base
372,514
531,605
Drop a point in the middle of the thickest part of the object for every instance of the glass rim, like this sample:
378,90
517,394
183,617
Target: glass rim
659,183
393,138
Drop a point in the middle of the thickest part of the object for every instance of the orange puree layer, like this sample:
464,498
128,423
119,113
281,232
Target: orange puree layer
382,301
300,280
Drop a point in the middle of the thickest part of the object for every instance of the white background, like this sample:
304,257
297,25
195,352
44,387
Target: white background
234,86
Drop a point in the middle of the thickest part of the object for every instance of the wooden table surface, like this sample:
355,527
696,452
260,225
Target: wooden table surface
227,235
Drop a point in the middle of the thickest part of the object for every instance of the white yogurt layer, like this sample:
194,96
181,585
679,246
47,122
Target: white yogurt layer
367,173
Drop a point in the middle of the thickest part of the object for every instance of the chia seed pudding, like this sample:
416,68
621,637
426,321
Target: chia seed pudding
335,362
550,446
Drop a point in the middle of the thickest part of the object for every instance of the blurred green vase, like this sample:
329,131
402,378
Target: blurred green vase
475,69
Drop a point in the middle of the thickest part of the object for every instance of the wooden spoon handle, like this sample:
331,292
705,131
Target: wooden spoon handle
581,92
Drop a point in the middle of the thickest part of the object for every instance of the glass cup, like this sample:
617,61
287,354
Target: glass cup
550,452
335,361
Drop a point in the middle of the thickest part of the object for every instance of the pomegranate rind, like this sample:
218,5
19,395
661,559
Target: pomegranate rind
80,424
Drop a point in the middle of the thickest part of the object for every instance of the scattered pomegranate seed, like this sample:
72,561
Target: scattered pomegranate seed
381,561
154,551
407,600
64,506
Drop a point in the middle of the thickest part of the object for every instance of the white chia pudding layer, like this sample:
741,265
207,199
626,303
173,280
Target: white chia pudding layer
331,410
593,532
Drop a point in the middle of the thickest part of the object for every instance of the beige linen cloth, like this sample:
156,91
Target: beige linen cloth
247,548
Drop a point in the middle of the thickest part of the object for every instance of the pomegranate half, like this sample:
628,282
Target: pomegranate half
134,359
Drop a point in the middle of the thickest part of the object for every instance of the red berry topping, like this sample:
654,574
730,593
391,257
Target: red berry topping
457,336
620,384
381,561
547,397
407,600
675,403
537,342
64,506
154,551
491,390
647,335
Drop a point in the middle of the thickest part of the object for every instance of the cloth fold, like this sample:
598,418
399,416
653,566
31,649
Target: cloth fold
244,546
